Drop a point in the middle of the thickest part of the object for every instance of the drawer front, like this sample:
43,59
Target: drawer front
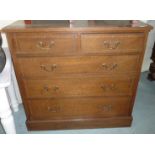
47,67
82,86
40,43
112,42
78,108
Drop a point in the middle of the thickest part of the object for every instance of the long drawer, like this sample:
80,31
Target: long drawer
78,108
50,66
40,43
78,86
112,43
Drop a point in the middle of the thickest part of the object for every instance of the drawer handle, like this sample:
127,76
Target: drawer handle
111,44
108,87
45,45
53,109
109,67
55,88
105,108
48,68
47,89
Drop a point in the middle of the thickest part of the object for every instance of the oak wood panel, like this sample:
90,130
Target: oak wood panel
62,26
44,43
78,85
81,86
49,67
79,123
78,108
112,42
138,72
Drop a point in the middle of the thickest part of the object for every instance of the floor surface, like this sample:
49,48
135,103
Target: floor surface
143,115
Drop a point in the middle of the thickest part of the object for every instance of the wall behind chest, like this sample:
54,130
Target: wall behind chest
150,43
4,23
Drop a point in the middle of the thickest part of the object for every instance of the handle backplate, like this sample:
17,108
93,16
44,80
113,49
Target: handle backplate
45,45
111,44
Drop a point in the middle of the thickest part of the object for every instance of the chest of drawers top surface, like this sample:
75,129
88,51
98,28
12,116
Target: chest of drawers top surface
78,74
83,25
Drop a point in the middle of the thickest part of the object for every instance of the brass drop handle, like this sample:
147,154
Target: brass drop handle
47,89
105,108
45,45
48,68
105,66
53,109
55,88
107,87
111,44
109,66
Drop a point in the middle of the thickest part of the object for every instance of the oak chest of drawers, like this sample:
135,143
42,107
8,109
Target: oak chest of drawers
77,75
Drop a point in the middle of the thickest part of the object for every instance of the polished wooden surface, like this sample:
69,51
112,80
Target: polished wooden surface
104,122
78,108
44,42
81,87
58,66
82,74
58,25
106,42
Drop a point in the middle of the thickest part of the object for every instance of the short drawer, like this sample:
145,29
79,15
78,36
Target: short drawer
78,108
78,86
48,67
112,42
42,43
